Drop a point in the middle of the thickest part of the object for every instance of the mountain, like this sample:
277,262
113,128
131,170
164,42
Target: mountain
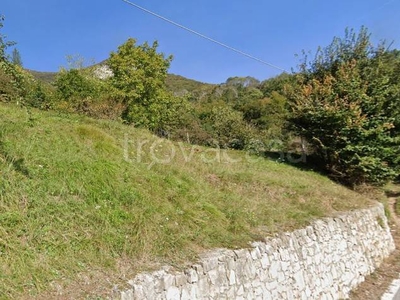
177,84
47,77
180,85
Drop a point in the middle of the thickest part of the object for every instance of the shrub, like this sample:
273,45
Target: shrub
74,84
138,80
226,126
40,96
344,106
7,88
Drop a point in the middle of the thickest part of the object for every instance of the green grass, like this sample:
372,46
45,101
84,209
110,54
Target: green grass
77,202
393,190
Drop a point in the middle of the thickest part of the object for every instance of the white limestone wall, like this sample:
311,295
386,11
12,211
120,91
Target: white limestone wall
325,260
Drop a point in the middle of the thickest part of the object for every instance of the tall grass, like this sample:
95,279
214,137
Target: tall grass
87,197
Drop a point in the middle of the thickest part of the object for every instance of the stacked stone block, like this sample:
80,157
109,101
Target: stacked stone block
325,260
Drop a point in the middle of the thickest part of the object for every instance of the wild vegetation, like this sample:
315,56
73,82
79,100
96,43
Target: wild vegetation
346,103
78,195
343,104
100,169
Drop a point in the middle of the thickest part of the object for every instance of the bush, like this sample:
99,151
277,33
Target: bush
7,88
41,96
343,105
138,80
226,126
74,84
18,85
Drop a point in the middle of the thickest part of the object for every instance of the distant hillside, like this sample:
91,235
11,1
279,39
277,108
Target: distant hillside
94,199
47,77
175,83
179,84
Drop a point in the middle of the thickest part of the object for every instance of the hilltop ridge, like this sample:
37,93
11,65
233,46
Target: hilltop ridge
175,83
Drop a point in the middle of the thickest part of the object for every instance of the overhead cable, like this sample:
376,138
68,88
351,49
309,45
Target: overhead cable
202,35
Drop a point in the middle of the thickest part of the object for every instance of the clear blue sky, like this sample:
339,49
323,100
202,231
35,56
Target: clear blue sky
46,31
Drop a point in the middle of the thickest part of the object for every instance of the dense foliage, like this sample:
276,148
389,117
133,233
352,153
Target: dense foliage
15,83
346,104
4,44
229,115
139,74
16,57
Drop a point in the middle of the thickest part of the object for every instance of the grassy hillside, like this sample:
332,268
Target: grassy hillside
87,203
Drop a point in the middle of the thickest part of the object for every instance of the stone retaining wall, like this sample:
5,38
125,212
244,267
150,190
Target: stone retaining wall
322,261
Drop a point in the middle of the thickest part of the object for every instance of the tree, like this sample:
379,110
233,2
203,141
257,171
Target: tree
16,84
16,57
73,85
345,105
12,78
3,43
225,125
276,84
139,80
242,82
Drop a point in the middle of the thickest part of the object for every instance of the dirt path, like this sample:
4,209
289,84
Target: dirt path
377,283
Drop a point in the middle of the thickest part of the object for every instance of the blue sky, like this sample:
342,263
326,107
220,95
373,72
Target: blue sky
274,31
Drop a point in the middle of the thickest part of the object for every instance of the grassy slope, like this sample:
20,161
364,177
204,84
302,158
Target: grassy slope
177,83
70,203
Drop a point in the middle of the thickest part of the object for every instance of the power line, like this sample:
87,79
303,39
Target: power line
375,10
203,36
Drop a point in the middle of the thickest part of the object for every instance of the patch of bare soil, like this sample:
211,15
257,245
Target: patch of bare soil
378,282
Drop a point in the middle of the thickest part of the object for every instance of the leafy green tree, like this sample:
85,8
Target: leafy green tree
81,91
7,89
73,85
40,95
225,125
242,82
268,115
79,88
345,106
16,57
388,66
277,84
13,77
139,80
